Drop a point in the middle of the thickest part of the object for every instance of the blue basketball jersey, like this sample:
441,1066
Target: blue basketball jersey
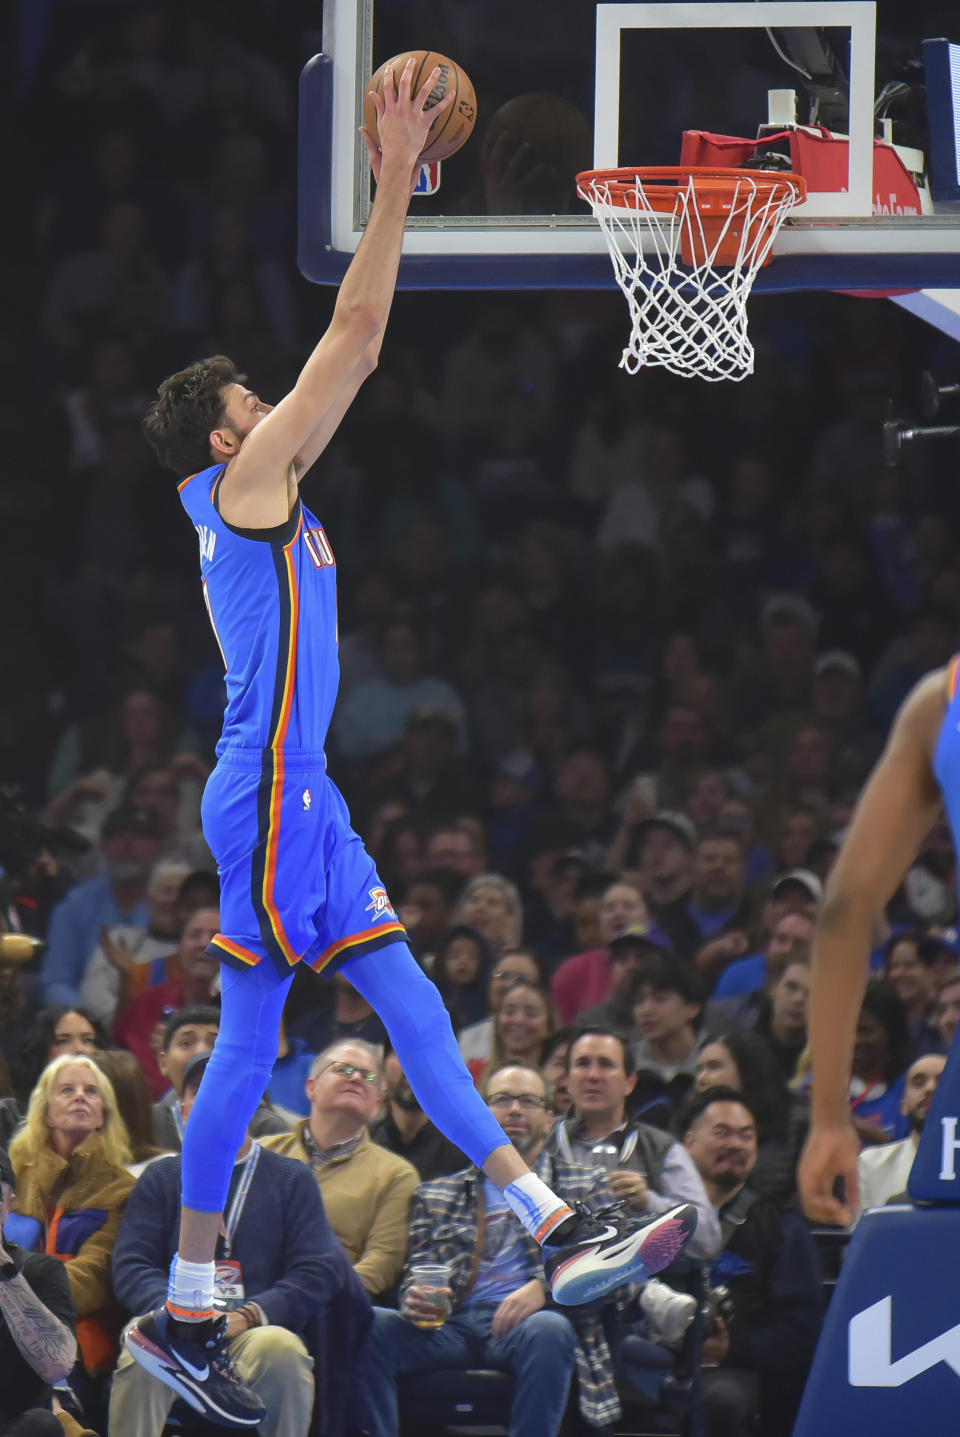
946,762
272,600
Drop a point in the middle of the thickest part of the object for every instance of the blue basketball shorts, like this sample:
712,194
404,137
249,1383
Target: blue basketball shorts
296,883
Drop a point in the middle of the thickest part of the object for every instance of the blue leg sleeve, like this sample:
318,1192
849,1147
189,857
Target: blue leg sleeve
422,1038
233,1083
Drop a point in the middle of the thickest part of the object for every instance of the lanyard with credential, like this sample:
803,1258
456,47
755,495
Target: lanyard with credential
232,1217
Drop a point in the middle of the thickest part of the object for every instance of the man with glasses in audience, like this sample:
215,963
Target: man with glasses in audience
366,1190
496,1296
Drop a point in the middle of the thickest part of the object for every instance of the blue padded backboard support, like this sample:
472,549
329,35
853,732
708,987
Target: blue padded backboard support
888,1360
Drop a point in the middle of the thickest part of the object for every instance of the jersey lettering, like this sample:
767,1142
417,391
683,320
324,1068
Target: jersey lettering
318,547
208,541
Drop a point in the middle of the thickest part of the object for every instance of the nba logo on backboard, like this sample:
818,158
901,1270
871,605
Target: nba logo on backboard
379,905
429,181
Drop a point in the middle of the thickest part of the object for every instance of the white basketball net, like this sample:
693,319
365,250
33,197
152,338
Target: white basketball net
692,319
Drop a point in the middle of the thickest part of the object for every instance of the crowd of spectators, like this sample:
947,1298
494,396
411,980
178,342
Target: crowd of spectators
610,683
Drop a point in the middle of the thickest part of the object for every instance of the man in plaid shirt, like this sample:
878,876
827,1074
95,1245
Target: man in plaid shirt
500,1318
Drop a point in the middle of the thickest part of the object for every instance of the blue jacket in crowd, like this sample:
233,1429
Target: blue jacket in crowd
293,1267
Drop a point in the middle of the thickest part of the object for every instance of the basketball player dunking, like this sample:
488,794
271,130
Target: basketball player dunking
917,774
296,882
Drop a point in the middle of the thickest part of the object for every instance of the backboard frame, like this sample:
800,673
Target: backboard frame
833,243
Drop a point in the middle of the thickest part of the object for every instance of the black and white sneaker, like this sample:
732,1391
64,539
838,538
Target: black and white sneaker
604,1252
191,1358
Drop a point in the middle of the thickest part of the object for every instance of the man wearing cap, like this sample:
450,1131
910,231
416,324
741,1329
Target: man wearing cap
837,690
788,917
279,1266
661,853
131,843
627,951
38,1345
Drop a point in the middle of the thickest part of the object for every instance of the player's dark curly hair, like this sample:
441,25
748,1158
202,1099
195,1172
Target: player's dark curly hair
188,405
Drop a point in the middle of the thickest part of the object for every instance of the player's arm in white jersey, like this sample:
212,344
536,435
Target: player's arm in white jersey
899,805
280,444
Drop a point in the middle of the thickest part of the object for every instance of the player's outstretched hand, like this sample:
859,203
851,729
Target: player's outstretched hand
830,1153
402,122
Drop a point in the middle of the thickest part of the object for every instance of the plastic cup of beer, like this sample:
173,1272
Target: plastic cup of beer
431,1278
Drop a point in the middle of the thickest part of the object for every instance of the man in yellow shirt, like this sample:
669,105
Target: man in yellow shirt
366,1190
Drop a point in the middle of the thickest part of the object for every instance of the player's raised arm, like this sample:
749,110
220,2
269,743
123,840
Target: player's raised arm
255,488
897,808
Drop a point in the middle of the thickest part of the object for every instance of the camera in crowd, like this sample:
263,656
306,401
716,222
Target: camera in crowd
717,1303
24,838
30,876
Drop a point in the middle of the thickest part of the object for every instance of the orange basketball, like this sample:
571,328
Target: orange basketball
454,127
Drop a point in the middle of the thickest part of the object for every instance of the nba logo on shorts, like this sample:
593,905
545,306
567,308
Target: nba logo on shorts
307,800
379,905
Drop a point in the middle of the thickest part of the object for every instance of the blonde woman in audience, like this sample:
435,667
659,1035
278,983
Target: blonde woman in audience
70,1157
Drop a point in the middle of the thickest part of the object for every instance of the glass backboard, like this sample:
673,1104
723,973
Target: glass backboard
565,87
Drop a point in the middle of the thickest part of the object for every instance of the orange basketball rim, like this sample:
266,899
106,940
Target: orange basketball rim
686,244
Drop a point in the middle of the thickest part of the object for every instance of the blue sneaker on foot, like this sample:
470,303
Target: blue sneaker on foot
192,1359
603,1251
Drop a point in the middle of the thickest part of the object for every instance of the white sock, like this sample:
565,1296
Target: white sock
537,1207
190,1290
